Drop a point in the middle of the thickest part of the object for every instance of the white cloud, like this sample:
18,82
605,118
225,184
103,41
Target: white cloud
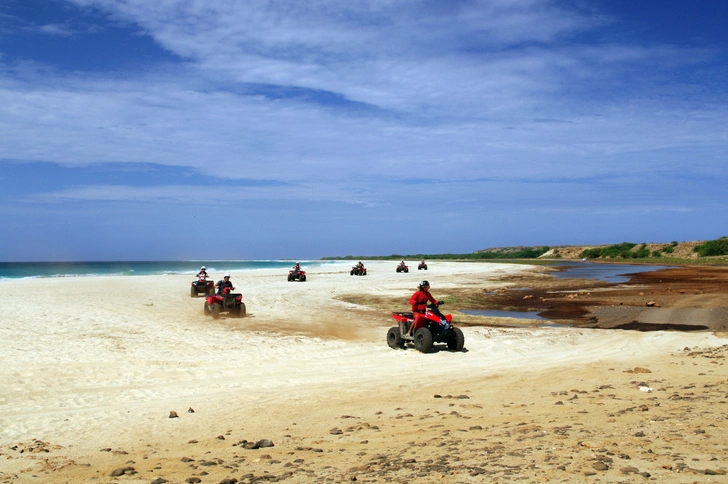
54,29
176,194
453,90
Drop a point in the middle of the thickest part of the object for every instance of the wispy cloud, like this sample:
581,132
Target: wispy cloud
60,30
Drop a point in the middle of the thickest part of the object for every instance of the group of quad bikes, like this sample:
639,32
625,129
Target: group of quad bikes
360,270
217,303
438,327
402,267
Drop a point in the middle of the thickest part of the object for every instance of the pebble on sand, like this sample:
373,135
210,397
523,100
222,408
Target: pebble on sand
265,443
122,470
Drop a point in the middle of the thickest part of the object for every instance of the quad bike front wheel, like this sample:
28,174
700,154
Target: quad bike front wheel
206,309
456,341
215,311
394,338
193,291
423,340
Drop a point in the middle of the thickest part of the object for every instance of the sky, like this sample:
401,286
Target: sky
282,129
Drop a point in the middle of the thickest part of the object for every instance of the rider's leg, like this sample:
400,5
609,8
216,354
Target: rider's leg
418,323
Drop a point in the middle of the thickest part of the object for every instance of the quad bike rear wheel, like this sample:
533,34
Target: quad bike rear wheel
394,338
238,311
423,340
456,340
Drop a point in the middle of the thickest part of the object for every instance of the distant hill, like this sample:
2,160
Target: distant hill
706,251
691,250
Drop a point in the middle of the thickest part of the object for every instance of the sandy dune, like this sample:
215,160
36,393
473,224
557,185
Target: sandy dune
92,367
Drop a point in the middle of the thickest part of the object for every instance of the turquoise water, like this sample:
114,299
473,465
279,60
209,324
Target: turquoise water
19,270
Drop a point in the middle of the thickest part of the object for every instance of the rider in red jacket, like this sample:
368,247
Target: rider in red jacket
419,305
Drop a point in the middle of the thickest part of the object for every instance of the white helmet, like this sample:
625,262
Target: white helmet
202,268
226,275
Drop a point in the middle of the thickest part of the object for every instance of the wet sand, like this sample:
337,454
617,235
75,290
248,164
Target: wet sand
686,298
88,385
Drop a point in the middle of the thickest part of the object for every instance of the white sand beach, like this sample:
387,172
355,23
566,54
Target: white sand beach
93,366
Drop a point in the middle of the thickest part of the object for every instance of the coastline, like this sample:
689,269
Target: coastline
45,270
98,363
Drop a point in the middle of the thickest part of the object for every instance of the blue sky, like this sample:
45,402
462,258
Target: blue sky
175,129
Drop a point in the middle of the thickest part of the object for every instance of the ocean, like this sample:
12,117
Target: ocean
20,270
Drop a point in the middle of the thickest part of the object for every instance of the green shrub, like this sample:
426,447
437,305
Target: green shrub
641,253
594,253
657,253
524,253
623,250
619,250
668,249
712,247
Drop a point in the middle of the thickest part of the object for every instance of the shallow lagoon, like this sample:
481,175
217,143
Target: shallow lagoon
497,313
614,273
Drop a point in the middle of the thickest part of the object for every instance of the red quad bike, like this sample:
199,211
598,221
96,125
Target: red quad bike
294,275
402,268
202,286
358,271
225,303
438,330
422,265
